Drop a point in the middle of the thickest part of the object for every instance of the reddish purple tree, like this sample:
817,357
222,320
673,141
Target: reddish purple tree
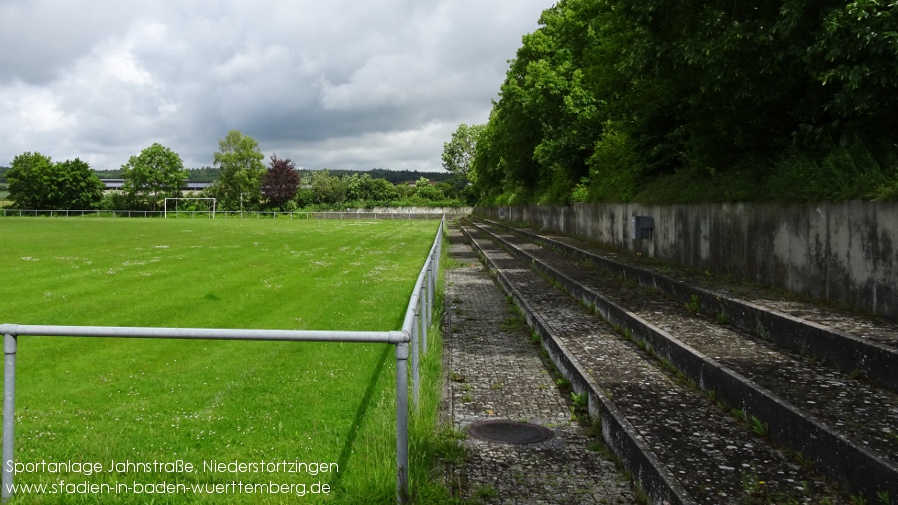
279,183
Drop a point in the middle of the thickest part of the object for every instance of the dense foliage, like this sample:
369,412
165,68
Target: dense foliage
280,182
36,182
606,98
322,190
391,176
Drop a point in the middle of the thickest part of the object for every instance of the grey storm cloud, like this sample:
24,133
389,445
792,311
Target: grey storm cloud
338,84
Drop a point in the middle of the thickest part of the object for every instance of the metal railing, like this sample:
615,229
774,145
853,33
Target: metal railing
205,214
74,213
418,317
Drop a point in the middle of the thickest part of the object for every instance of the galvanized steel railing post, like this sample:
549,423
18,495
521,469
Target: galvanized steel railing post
431,273
422,303
9,412
402,495
416,359
435,266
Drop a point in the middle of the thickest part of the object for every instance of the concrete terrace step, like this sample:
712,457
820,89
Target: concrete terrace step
844,427
495,372
866,346
679,445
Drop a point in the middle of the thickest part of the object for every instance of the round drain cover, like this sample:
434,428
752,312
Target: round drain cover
508,432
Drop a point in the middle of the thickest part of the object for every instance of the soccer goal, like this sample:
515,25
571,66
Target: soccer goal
209,208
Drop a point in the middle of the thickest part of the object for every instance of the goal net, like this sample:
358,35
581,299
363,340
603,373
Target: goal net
201,205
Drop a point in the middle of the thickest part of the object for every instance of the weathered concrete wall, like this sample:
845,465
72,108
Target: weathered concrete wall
846,253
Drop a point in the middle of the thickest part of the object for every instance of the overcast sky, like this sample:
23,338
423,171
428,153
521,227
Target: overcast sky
341,84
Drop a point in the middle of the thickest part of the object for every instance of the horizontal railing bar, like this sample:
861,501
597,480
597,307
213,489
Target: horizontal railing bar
386,337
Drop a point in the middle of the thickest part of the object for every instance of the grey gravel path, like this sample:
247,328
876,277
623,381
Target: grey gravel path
495,372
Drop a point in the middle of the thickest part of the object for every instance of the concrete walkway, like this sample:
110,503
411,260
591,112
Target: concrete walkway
496,372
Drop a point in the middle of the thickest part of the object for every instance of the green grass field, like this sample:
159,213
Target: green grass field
100,400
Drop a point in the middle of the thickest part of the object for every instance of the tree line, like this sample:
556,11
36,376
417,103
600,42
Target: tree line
212,174
607,100
243,181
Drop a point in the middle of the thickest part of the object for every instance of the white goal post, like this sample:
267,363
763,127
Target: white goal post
211,210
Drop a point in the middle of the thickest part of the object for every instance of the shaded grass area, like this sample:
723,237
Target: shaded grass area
431,446
99,400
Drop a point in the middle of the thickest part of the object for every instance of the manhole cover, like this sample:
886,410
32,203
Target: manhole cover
508,432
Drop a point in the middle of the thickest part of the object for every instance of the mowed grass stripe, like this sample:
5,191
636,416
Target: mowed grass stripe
98,400
200,272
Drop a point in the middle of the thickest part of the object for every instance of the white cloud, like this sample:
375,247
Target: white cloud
338,84
119,64
252,61
409,149
39,112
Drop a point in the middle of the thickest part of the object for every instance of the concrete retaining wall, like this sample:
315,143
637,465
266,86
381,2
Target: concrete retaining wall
845,253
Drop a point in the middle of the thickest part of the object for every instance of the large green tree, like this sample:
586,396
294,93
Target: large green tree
544,125
35,182
458,153
240,162
458,158
157,172
625,91
29,180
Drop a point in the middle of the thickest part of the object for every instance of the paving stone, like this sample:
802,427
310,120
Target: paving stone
496,372
684,430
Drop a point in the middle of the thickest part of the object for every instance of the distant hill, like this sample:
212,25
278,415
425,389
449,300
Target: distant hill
204,174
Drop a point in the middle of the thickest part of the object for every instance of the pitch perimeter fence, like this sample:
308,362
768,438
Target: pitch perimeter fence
410,342
227,214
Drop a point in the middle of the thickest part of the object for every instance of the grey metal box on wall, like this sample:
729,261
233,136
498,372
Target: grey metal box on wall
641,227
